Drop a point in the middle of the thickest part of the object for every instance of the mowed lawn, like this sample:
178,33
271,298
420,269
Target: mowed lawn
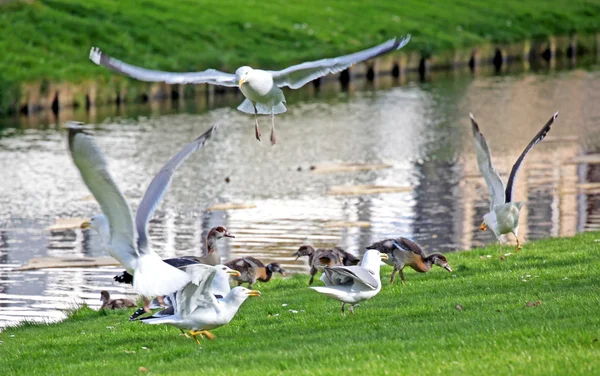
538,312
51,39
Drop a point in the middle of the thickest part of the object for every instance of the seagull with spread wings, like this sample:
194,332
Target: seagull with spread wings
503,217
353,284
260,87
128,240
195,307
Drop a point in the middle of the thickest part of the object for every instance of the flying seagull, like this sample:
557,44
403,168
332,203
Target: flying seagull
503,217
353,284
129,239
260,87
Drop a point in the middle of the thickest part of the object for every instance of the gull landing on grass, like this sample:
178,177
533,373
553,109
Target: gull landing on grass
260,87
503,217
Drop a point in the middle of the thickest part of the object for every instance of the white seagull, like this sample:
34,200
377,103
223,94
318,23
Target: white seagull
503,217
128,240
220,288
260,87
196,308
353,284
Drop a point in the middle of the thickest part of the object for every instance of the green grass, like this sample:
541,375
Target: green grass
50,39
412,329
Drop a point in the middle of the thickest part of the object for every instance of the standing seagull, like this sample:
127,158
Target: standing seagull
260,87
128,240
503,217
196,308
353,284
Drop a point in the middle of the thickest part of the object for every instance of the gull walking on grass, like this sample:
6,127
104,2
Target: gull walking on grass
353,284
195,307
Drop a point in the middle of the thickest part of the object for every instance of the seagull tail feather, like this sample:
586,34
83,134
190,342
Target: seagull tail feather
246,107
154,277
329,292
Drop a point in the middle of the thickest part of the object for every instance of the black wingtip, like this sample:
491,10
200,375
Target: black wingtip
474,124
74,128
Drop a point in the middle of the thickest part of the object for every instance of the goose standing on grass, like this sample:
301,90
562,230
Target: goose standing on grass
404,252
195,307
108,303
128,240
322,257
503,217
260,87
353,284
252,269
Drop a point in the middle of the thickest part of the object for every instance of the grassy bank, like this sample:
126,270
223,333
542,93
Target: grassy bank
50,39
412,329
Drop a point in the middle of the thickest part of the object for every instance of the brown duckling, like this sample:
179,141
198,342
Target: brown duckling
320,258
108,303
404,252
252,269
211,257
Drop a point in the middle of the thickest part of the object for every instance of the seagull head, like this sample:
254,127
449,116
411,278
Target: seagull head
98,223
440,260
227,270
242,74
372,259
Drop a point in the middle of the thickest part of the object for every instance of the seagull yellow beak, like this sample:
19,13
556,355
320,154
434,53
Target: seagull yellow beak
483,227
383,256
85,225
253,293
241,81
234,273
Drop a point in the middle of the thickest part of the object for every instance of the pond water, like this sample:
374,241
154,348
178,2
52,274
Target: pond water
420,129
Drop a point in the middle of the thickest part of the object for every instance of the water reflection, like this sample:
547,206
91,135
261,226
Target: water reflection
422,131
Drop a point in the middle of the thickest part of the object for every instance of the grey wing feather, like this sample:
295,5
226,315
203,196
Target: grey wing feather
299,75
197,293
90,161
159,185
404,244
484,160
515,169
341,275
209,76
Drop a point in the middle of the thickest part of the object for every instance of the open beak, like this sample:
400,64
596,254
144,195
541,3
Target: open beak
241,81
448,268
234,273
283,272
228,235
253,293
483,227
384,256
297,256
85,225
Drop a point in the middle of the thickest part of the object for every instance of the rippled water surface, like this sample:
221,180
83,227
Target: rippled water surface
421,130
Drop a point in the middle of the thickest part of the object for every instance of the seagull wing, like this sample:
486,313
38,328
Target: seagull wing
90,161
159,185
349,275
515,169
299,75
197,293
484,160
209,76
